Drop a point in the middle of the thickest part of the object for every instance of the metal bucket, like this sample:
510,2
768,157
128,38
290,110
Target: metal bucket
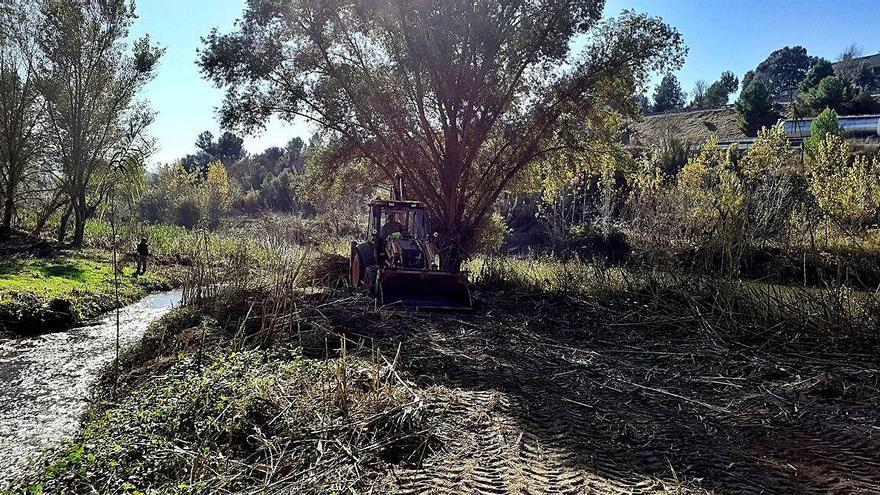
423,289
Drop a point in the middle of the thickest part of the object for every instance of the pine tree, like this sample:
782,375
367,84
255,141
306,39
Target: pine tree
668,95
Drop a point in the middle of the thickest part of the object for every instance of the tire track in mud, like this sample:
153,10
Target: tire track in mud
521,408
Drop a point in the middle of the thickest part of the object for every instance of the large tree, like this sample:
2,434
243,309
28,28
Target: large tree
820,70
719,91
717,94
227,148
755,108
20,108
783,69
458,96
92,81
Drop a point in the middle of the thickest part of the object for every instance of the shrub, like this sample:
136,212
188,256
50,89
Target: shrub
847,190
826,123
773,191
491,236
832,92
714,190
770,154
186,198
186,213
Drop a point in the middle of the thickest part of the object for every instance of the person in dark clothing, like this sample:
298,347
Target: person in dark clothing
143,252
392,226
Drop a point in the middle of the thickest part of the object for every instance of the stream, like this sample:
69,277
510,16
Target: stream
45,380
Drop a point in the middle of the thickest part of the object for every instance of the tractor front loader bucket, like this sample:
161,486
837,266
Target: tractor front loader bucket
423,289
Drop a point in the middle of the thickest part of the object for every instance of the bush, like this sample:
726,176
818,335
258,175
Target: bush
832,92
847,190
492,235
186,198
826,123
186,213
715,191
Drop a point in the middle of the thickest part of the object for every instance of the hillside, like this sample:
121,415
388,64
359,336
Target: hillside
697,125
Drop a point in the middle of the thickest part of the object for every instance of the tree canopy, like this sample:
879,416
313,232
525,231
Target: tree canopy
21,110
755,108
716,94
457,96
668,95
783,69
90,84
820,70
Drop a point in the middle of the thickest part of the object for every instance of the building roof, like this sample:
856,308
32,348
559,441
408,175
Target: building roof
866,61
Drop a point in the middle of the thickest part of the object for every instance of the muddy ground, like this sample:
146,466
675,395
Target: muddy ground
536,395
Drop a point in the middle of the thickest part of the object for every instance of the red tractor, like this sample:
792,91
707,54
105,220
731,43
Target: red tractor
399,264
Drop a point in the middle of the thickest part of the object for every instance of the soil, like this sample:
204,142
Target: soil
582,396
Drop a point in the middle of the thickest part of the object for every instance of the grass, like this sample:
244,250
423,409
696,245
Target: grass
69,287
63,275
171,241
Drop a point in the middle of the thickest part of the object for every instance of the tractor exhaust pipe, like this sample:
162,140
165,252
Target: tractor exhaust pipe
398,191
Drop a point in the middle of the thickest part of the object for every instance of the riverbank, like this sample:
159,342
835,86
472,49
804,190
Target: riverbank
572,378
59,288
47,380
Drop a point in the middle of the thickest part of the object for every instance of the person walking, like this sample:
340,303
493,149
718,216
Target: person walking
143,252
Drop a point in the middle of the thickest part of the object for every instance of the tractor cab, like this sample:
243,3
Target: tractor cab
399,235
399,264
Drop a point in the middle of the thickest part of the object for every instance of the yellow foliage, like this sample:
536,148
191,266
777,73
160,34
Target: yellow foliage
848,191
769,154
218,179
710,188
491,235
178,177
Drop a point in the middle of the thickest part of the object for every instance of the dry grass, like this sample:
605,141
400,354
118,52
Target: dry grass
567,376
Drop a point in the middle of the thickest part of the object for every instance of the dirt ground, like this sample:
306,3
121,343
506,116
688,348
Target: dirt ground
542,396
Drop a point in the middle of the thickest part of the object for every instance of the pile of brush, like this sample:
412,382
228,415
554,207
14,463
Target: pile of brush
328,270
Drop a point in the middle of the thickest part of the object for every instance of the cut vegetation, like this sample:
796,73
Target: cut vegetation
623,381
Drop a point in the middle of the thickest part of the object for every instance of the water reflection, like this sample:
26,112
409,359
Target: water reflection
44,380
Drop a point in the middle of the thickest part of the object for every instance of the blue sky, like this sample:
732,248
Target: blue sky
722,35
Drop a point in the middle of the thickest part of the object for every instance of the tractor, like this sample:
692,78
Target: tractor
398,264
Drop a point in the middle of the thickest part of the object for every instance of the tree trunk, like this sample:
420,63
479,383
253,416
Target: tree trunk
45,215
62,225
453,248
79,226
6,227
451,259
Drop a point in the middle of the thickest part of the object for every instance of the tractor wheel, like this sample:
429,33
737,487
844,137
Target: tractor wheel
371,281
361,260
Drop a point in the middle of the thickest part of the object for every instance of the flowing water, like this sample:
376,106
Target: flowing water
44,380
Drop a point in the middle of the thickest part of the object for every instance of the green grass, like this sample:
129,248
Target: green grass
58,292
174,241
62,276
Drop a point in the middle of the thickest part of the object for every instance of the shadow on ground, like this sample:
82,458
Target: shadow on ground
537,396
